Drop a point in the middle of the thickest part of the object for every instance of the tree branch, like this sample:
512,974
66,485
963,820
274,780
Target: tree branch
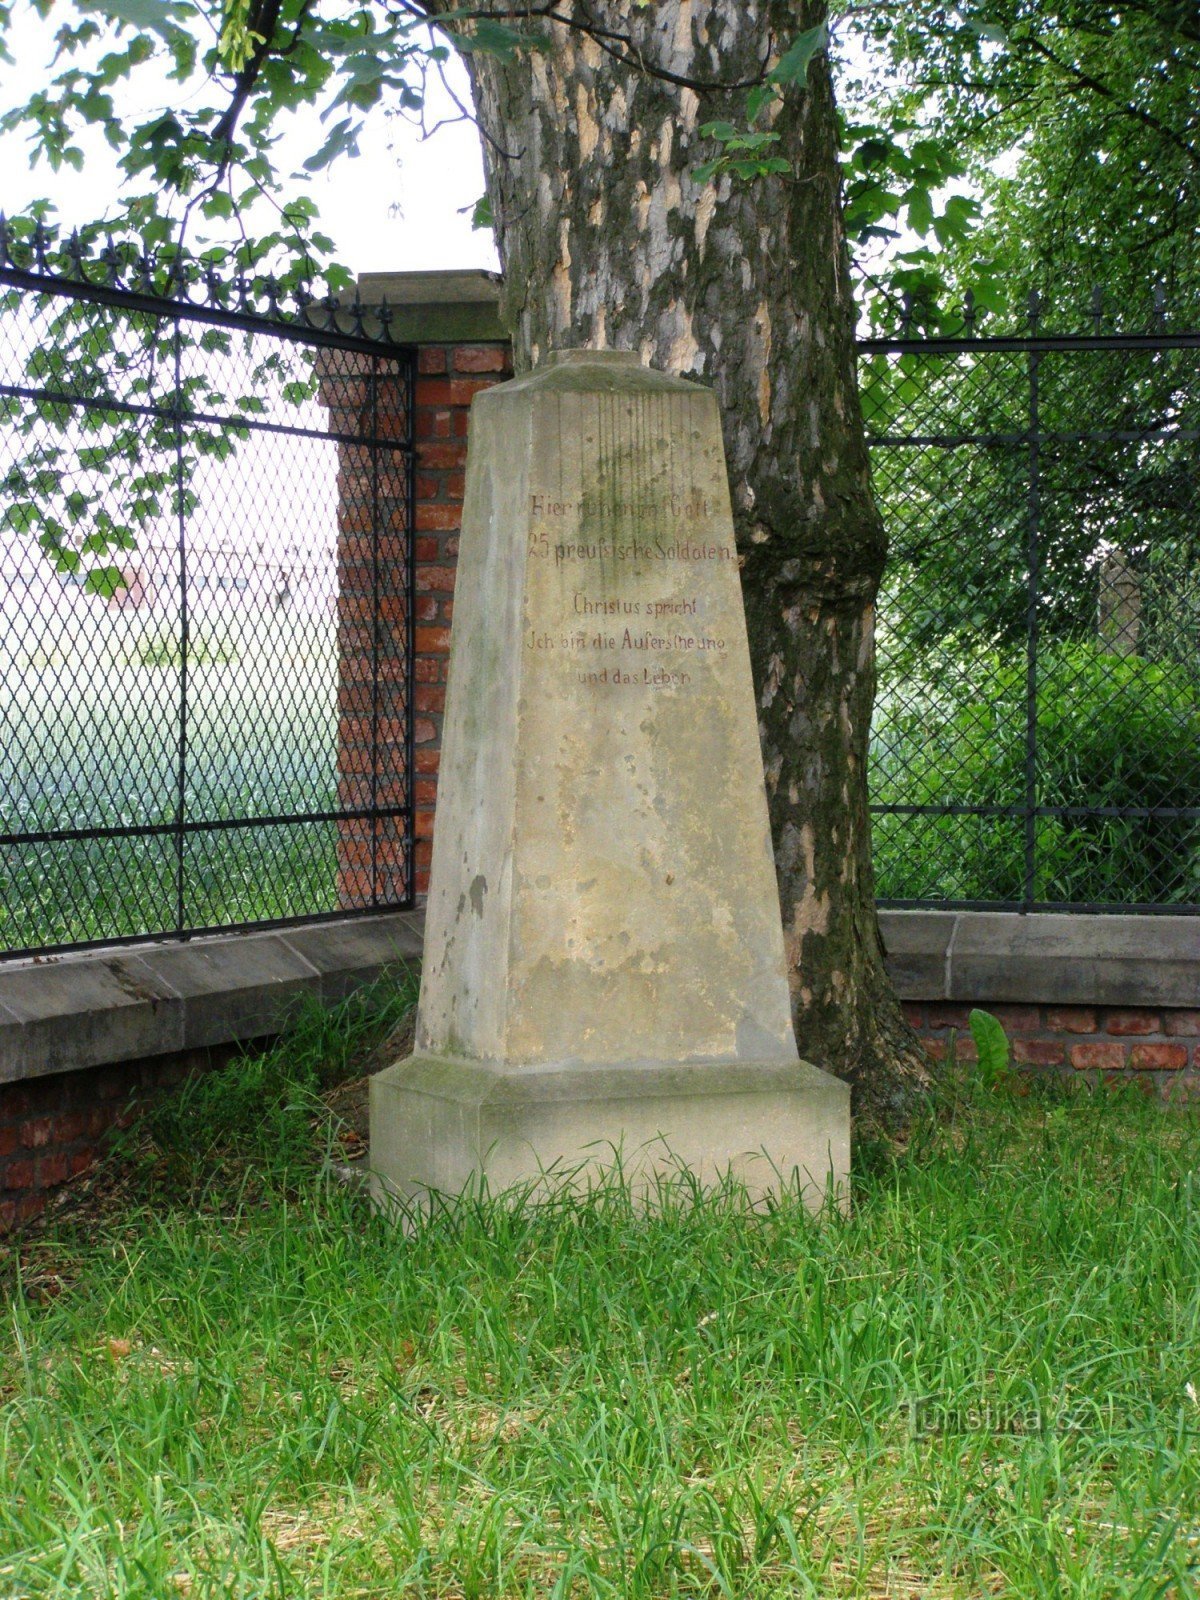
1087,81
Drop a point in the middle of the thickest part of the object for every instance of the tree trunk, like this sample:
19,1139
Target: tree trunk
607,240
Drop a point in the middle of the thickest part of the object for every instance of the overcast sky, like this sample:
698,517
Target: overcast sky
398,207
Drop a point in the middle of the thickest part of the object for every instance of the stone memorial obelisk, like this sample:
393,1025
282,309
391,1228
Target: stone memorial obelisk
604,965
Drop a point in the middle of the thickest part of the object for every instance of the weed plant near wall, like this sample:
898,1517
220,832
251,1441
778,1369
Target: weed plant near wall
1113,733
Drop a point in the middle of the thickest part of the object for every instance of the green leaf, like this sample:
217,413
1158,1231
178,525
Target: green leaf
794,63
104,581
150,16
494,38
21,517
991,1045
920,210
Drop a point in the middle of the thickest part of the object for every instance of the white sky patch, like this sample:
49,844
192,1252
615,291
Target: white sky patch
398,207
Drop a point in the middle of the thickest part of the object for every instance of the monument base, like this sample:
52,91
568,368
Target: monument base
443,1125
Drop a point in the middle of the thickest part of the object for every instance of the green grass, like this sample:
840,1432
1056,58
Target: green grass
251,1386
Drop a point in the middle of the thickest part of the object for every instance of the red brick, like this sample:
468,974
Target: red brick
37,1133
1158,1057
429,697
30,1205
17,1174
423,825
964,1048
450,546
426,610
52,1169
460,423
423,730
941,1016
438,518
426,669
439,578
427,486
1182,1024
8,1139
81,1160
431,358
425,791
431,424
441,455
70,1126
1017,1019
481,358
436,392
464,390
432,640
1039,1052
1122,1080
1070,1019
427,760
1129,1022
427,549
914,1014
454,486
1103,1057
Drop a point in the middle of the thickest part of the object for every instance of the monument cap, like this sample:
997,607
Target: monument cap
608,358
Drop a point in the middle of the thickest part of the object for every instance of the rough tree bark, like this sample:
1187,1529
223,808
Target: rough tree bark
607,240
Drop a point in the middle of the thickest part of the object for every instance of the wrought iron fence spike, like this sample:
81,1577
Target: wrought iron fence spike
906,312
40,241
1159,294
76,256
969,310
144,272
385,317
357,311
111,262
5,254
1033,309
1097,309
177,279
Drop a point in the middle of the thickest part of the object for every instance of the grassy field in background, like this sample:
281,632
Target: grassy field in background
982,1382
91,736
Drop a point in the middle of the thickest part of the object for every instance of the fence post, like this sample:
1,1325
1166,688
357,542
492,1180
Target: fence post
1034,506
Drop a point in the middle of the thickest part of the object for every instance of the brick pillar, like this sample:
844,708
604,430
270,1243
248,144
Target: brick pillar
451,318
447,378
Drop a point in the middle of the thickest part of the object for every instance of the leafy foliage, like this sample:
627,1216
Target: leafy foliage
1074,124
1115,735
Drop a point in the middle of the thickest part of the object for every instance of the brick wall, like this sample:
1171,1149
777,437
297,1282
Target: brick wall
1159,1047
448,376
53,1129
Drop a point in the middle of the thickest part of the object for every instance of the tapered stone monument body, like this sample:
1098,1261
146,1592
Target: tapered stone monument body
604,963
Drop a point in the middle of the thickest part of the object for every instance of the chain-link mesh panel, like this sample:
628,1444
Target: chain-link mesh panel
183,629
1036,740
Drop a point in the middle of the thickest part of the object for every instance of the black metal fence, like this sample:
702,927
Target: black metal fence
205,508
1036,743
181,748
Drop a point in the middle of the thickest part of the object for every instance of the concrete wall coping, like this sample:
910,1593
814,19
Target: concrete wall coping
1049,958
126,1003
457,306
130,1002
